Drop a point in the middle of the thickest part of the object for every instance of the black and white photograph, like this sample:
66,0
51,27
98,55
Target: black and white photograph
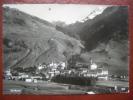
65,49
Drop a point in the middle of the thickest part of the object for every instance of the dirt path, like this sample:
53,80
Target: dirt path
23,58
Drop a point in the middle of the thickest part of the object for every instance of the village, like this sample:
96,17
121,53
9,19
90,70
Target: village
47,72
104,81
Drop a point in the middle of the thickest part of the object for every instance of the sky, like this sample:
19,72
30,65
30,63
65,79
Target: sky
68,13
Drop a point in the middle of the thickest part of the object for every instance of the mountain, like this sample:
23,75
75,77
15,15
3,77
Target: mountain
112,23
105,38
104,25
28,40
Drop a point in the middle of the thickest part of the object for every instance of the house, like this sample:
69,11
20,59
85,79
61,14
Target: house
82,64
91,73
69,71
102,71
23,75
36,77
102,77
54,65
40,67
47,76
52,75
35,80
14,77
53,69
8,72
57,72
93,66
28,80
63,65
83,71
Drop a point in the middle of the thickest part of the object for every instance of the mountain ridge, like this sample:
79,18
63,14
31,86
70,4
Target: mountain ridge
21,28
105,38
47,42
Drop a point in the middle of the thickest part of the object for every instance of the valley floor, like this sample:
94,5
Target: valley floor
50,88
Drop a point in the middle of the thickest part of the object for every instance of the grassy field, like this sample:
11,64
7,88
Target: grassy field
38,88
112,83
50,88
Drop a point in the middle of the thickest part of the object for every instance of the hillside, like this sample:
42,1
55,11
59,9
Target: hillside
28,40
105,38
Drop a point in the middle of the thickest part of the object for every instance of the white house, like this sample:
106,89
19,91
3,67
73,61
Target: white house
35,81
93,66
103,77
40,67
102,71
63,64
8,72
36,77
28,80
55,65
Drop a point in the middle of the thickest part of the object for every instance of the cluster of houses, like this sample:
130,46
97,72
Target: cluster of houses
92,70
49,71
61,68
52,69
21,76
